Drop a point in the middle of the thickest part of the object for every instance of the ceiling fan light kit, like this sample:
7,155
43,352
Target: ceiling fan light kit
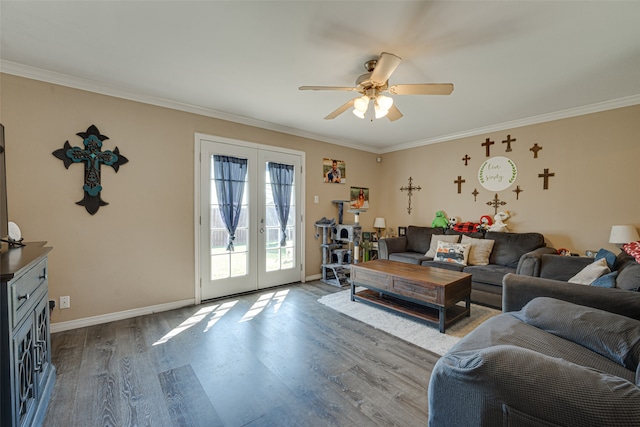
373,83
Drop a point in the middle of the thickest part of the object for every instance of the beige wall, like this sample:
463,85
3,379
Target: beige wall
594,157
139,250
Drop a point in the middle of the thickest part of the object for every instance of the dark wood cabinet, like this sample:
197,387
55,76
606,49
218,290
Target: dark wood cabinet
26,373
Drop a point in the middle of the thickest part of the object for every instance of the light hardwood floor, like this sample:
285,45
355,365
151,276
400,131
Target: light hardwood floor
227,363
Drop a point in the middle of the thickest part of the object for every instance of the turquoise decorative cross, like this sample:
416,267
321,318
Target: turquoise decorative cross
93,157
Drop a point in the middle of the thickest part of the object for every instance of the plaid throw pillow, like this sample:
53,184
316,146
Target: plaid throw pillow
466,227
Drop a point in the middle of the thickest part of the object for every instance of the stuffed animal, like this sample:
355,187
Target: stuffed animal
440,220
485,223
498,224
453,221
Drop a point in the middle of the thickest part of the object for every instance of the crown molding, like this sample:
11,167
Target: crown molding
39,74
66,80
542,118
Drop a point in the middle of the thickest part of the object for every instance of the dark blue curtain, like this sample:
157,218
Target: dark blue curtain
230,174
282,186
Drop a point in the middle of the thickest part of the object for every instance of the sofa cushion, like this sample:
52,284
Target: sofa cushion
610,335
558,267
629,277
419,238
492,274
622,260
445,265
474,234
509,330
408,257
509,247
480,250
591,272
456,253
433,246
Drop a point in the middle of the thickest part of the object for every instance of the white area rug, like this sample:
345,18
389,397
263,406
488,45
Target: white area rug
420,334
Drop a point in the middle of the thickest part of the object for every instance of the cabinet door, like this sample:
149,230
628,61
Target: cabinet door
23,384
42,345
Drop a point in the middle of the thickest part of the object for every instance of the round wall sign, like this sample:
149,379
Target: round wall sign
497,173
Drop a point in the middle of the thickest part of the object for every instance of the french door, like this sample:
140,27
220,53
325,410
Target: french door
264,250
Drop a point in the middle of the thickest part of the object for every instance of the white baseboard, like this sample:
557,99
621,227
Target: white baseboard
120,315
312,278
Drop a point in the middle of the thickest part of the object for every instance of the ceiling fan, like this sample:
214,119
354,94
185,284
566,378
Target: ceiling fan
375,82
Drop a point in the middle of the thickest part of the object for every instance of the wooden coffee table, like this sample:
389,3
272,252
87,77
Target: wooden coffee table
427,293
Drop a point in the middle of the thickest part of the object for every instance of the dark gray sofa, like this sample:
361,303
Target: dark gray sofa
570,360
625,268
512,253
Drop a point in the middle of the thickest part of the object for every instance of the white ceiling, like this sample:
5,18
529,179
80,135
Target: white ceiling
512,63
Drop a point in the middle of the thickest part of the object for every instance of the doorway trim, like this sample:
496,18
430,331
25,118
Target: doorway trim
198,137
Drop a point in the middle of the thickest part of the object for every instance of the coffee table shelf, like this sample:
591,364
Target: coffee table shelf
411,309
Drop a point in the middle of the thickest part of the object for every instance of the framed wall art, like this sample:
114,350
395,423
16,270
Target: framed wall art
334,171
359,198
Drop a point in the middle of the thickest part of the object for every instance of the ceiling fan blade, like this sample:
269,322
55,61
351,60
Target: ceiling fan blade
422,89
340,110
350,89
385,66
394,114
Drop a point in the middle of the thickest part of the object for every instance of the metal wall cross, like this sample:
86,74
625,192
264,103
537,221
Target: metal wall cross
495,203
409,189
93,158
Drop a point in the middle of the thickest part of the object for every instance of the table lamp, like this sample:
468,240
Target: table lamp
622,234
379,224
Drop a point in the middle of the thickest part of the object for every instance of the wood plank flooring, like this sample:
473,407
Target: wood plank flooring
272,358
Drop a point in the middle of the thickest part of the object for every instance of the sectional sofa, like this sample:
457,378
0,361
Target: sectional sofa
561,354
509,253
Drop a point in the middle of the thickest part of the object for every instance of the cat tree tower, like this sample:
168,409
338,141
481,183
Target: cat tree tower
340,246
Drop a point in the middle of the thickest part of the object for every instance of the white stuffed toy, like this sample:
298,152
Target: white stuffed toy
498,222
453,221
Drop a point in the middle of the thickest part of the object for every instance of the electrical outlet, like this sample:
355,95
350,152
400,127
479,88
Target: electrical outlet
65,302
315,199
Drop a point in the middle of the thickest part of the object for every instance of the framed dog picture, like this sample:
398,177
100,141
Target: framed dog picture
402,231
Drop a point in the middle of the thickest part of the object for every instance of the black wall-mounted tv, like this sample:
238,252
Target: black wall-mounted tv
4,217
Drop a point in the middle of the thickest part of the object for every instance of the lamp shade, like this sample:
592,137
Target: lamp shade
621,234
379,223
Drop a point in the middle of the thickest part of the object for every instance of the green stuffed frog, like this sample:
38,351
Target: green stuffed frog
440,220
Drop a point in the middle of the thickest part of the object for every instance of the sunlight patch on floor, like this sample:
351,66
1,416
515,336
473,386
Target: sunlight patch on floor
214,311
218,313
274,299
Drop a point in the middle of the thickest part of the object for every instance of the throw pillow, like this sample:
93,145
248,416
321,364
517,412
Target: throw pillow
591,272
633,249
452,252
606,281
608,255
479,250
435,239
